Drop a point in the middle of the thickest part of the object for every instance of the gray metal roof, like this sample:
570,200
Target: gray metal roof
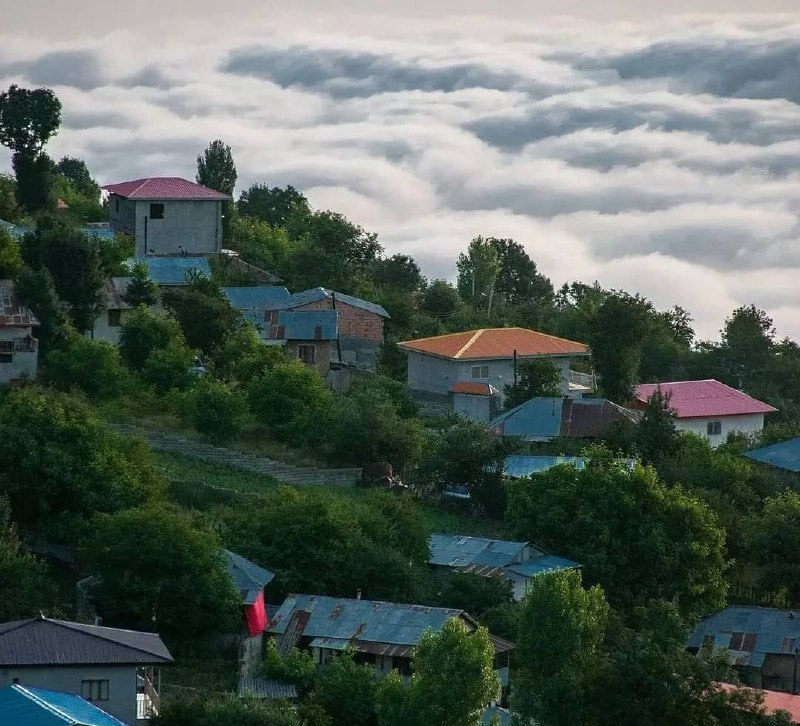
248,577
772,631
116,287
263,688
320,293
454,550
43,641
305,325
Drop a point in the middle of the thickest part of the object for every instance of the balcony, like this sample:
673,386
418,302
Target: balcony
28,344
581,382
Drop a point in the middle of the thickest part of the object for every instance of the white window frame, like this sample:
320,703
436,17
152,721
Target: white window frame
481,369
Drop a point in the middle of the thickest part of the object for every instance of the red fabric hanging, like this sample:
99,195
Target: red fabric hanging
256,616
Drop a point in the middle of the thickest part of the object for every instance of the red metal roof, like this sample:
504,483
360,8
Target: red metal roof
163,187
496,343
698,399
773,700
475,389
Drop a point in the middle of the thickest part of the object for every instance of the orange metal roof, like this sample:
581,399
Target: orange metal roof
474,388
495,343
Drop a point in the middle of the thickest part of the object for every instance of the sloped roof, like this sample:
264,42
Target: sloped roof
264,688
454,550
164,188
254,298
303,325
171,271
542,564
775,631
12,313
488,343
115,288
26,706
44,641
783,455
316,294
698,399
248,578
773,700
474,389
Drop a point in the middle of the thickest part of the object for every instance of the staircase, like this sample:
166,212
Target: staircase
284,473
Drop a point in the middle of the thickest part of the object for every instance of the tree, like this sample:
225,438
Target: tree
347,691
618,331
78,174
400,271
244,357
259,243
169,368
10,256
474,594
440,299
204,313
771,543
452,684
274,205
629,520
747,345
478,270
216,411
91,366
656,436
229,710
61,464
145,331
73,260
25,588
152,562
518,280
37,292
217,170
28,118
141,289
9,208
559,650
536,377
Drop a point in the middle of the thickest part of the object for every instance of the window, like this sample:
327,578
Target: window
156,211
307,354
6,346
6,357
94,690
114,318
480,371
714,428
736,641
402,665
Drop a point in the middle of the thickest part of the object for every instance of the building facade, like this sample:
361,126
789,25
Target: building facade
19,350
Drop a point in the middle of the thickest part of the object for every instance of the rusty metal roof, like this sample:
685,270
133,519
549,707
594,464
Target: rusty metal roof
12,313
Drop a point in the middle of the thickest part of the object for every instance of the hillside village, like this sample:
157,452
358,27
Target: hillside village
253,471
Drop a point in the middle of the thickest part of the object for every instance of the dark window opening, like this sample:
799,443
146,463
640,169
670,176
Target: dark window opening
307,354
94,690
402,665
736,641
714,428
114,318
156,211
6,357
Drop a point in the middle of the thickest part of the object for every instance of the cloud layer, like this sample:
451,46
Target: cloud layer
664,160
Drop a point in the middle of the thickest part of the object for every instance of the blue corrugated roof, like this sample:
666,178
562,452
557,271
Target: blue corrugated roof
455,550
320,293
304,325
248,577
173,270
542,564
519,466
776,631
103,232
25,706
255,298
784,455
536,420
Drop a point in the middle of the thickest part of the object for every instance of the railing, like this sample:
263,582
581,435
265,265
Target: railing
582,379
19,345
152,695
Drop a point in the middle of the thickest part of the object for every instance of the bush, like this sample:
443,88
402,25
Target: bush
169,368
215,410
144,332
91,366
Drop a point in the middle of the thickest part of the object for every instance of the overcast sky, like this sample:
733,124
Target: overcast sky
658,153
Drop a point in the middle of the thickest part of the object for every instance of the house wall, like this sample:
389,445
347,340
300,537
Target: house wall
475,408
324,352
747,424
777,673
67,679
194,225
24,364
103,331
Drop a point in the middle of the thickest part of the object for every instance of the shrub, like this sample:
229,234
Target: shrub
216,411
144,332
169,368
91,366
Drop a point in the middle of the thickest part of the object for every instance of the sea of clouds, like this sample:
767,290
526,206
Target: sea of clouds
661,159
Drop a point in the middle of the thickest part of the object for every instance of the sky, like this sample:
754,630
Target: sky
654,148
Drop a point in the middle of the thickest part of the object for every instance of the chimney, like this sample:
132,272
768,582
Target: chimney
358,594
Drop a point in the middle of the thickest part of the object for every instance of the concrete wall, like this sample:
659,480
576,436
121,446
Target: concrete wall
104,331
24,364
475,408
324,351
193,225
67,679
747,424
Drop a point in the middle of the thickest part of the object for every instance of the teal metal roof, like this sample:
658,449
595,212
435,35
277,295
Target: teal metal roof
784,455
540,565
320,293
254,298
454,550
25,706
173,270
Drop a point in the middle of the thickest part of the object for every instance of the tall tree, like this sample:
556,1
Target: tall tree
346,690
537,377
400,271
274,205
78,173
9,207
10,256
656,435
747,345
28,118
478,270
771,537
37,291
216,169
518,280
141,289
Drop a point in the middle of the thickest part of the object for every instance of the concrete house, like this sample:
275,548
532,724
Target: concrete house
439,367
360,323
117,670
310,336
21,706
382,634
761,643
167,215
708,408
514,562
19,350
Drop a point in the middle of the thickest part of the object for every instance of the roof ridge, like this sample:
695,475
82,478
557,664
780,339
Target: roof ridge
469,343
39,701
68,626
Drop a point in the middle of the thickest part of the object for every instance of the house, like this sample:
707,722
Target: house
773,701
118,670
310,336
19,350
708,408
25,706
250,580
360,323
381,634
438,366
544,419
475,401
520,466
167,215
107,325
783,455
515,562
763,644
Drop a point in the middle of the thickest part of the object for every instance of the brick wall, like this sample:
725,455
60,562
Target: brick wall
353,322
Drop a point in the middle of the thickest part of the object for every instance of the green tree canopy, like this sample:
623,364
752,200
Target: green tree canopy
145,331
10,256
478,270
259,243
187,710
347,692
656,436
440,299
91,366
161,571
399,271
771,543
216,168
28,118
141,289
274,205
518,280
78,174
37,291
536,377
